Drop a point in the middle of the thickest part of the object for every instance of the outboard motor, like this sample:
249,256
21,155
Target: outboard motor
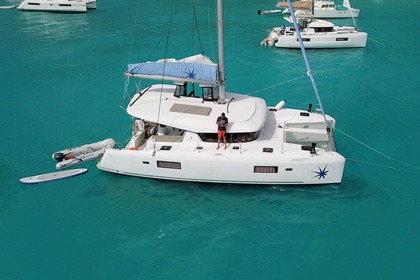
59,157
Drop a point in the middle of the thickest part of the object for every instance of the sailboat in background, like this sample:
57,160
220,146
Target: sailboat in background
65,6
174,135
316,34
321,8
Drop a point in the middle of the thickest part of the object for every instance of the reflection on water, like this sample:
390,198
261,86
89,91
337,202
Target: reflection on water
54,27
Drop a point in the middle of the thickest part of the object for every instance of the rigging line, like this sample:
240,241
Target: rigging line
209,30
126,82
308,67
282,83
195,24
134,29
165,58
373,149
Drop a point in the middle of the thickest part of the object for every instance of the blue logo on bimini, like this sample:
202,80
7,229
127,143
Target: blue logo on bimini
190,74
321,173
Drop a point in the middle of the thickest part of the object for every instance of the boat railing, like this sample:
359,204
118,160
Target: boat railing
306,137
124,104
130,96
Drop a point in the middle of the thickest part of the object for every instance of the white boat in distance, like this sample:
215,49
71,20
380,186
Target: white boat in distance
316,34
265,144
65,6
322,8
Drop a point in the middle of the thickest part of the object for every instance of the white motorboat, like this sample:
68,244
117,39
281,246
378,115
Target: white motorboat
265,144
66,6
316,33
322,8
74,156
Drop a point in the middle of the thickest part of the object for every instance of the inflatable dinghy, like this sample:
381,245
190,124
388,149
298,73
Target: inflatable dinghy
73,156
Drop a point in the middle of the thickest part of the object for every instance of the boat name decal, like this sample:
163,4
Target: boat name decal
301,159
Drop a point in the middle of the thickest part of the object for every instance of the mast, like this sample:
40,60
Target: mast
220,40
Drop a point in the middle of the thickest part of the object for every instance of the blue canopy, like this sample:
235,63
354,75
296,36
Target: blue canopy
176,71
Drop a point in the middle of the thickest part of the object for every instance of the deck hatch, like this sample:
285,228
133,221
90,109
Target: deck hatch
190,109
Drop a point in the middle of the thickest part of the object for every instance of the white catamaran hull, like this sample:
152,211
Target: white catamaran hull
225,166
316,34
323,41
66,6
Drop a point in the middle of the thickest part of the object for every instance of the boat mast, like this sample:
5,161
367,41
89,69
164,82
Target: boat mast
222,91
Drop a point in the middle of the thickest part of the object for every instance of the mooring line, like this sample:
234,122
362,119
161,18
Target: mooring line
376,151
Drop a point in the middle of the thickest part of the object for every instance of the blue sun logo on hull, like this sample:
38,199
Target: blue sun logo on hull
321,173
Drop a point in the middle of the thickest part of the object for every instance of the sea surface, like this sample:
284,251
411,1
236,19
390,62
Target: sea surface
61,84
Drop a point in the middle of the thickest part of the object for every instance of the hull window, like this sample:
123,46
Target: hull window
267,150
169,164
266,169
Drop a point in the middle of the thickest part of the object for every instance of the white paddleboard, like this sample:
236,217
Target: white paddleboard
52,176
7,7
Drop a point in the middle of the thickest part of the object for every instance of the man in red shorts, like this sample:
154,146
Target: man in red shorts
222,123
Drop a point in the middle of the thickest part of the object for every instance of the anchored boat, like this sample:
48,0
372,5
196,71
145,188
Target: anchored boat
265,144
322,8
66,6
316,33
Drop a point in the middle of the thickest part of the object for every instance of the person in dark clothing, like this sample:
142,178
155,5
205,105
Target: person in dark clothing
222,123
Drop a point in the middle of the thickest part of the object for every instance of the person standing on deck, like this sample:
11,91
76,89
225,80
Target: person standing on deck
222,123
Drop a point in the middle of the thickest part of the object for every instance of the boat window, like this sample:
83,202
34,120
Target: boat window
342,39
323,29
181,90
266,169
168,164
210,93
230,137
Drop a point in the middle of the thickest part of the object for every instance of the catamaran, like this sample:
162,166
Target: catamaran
322,8
174,134
67,6
316,33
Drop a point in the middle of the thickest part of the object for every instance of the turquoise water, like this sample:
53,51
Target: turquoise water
61,86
